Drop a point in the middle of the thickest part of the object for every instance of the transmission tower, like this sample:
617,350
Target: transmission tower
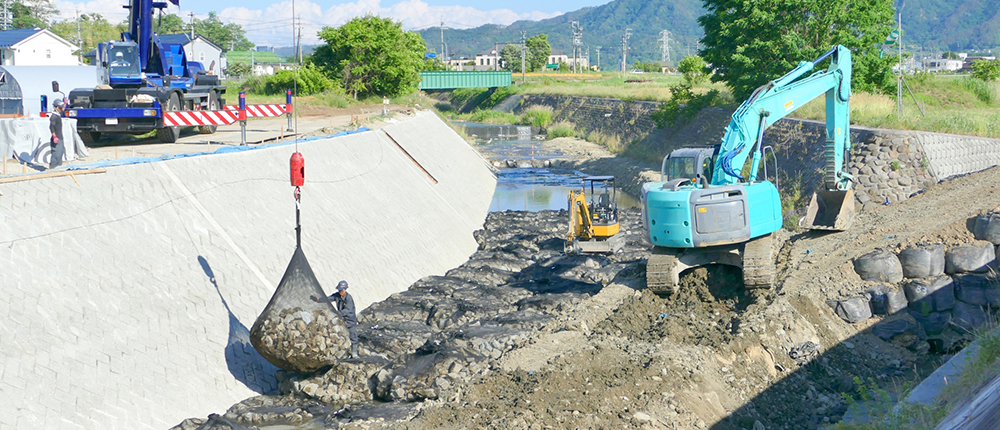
577,44
665,47
625,37
6,15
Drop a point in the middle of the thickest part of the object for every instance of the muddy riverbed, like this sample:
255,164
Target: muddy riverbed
523,336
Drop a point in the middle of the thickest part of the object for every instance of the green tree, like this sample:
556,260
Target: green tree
237,69
372,56
950,56
94,29
647,67
538,52
986,70
433,63
173,24
230,36
750,43
510,56
24,16
694,69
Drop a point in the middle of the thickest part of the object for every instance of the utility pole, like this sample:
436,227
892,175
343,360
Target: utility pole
664,47
299,43
79,38
625,37
577,43
524,49
598,58
442,43
191,14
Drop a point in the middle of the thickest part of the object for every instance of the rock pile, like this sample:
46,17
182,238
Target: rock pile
946,293
432,340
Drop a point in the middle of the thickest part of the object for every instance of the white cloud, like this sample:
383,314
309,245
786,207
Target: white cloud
273,24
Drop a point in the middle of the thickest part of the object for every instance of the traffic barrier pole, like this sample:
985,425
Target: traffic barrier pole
288,108
243,118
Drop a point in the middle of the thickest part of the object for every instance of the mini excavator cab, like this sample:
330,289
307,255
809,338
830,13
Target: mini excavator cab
593,221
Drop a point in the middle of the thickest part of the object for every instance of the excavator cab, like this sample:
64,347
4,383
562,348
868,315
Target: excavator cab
593,218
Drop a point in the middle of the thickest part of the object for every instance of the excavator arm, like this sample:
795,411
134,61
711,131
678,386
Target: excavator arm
580,224
777,99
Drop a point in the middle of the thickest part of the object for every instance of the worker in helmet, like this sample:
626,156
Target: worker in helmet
56,128
345,304
120,60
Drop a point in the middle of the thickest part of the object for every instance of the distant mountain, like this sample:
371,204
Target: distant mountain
602,26
950,25
929,26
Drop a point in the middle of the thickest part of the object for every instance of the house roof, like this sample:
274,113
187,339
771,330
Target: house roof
258,57
184,39
12,37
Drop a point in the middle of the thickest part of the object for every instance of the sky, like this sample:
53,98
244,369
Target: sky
269,22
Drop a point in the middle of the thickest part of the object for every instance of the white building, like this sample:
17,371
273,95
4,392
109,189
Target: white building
198,49
487,60
36,47
942,65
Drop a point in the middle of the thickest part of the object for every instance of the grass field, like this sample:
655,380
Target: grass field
952,104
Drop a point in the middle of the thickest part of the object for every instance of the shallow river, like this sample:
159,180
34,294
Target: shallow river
527,189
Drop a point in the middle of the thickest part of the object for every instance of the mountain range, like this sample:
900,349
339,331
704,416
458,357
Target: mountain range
929,26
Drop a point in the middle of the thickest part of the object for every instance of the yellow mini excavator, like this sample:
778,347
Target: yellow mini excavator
593,218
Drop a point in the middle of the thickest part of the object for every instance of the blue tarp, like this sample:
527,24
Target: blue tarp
223,150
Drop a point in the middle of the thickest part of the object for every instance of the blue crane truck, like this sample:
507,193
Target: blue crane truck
143,78
705,210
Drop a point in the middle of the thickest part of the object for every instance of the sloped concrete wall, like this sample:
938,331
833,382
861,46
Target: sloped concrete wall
127,298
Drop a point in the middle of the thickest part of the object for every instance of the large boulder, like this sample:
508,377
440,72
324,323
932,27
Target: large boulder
880,266
933,323
968,317
987,228
969,258
887,300
930,294
922,261
898,325
852,310
979,289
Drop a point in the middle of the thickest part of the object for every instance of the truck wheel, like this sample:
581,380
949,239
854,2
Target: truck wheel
170,134
213,104
89,137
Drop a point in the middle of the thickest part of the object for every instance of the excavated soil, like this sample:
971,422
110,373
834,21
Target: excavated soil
577,342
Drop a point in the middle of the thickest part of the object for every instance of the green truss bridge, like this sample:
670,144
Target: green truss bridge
449,80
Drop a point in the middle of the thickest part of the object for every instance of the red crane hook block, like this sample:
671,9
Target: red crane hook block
298,166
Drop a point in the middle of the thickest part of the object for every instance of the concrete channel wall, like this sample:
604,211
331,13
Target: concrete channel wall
127,298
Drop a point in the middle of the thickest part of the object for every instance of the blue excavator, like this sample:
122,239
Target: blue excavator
142,78
710,206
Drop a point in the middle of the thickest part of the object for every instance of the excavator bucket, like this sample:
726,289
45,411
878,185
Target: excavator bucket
830,210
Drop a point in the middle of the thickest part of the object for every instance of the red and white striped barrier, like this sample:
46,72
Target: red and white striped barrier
262,111
199,117
228,116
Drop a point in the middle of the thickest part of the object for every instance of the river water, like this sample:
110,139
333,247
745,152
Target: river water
527,188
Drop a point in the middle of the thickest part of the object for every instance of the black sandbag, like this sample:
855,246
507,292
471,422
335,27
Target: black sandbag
300,330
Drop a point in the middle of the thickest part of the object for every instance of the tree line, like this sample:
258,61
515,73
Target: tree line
95,28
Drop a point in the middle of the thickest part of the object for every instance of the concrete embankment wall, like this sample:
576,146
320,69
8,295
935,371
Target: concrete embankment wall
127,298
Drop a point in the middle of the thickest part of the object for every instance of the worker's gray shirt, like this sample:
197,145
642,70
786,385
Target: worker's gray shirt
55,125
346,307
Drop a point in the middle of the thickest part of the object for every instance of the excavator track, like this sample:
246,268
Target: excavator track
660,277
758,263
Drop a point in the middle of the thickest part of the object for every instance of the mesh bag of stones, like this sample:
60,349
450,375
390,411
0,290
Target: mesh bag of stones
300,330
